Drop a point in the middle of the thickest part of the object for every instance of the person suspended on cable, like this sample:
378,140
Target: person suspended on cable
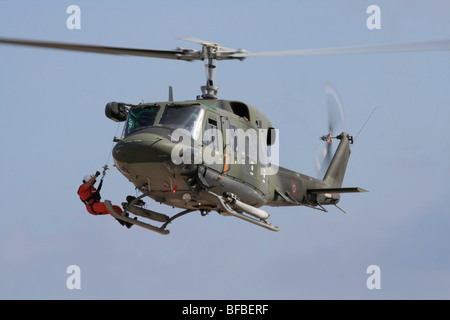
90,196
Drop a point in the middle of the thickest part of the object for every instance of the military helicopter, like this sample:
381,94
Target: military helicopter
210,154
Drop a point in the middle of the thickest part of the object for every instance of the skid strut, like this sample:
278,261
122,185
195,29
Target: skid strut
150,214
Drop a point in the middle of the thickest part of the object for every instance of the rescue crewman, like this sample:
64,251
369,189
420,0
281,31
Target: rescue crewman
90,196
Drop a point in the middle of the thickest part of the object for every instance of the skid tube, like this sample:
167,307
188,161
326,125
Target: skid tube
161,230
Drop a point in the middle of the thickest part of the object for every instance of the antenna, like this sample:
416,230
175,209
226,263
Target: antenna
170,93
373,111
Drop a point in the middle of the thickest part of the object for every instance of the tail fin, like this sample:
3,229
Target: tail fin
336,171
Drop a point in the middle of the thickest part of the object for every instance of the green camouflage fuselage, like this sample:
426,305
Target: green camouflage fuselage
175,171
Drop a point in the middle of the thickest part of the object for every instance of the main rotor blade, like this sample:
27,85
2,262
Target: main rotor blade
189,55
439,45
165,54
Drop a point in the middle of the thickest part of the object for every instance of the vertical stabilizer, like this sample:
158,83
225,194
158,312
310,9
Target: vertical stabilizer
336,171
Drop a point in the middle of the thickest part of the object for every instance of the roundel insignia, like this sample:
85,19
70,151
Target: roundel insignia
294,188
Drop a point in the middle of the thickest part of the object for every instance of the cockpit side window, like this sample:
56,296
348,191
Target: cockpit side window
141,117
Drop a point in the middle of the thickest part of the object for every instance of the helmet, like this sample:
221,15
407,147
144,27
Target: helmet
87,177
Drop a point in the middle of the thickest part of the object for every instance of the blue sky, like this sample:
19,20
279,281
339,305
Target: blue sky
53,132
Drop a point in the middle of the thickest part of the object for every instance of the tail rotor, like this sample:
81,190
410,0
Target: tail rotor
335,115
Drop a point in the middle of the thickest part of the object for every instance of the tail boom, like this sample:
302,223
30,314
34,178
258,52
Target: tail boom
292,188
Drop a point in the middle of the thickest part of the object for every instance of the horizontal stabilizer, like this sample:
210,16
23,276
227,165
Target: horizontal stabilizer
336,190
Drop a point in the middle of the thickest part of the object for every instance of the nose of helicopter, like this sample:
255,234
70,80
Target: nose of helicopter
143,147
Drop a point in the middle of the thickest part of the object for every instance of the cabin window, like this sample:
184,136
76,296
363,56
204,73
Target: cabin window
210,136
271,136
240,109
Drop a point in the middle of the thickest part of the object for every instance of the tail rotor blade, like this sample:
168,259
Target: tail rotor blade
335,117
335,108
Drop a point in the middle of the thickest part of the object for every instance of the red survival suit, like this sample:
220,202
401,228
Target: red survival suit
91,197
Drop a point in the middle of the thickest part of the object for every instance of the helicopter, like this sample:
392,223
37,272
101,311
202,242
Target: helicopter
211,154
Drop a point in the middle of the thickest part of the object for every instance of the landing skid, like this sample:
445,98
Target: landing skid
146,214
224,202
